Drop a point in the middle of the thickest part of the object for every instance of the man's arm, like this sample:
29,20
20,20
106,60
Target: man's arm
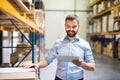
43,63
84,65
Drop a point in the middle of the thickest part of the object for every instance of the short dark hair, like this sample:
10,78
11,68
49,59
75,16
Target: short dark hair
72,17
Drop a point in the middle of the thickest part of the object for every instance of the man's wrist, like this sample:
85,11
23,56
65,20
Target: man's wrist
82,63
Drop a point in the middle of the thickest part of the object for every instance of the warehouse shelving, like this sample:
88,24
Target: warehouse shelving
93,3
14,12
106,11
116,19
101,13
16,16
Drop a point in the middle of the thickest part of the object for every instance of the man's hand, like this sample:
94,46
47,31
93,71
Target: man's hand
36,66
77,62
84,65
43,63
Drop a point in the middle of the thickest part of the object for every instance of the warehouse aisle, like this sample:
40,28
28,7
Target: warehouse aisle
106,69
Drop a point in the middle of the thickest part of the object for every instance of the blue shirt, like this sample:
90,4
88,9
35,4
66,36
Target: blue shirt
77,47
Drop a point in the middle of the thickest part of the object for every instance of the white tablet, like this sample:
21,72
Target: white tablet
64,58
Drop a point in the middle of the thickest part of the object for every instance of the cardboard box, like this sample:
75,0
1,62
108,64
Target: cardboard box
99,25
17,74
104,23
110,22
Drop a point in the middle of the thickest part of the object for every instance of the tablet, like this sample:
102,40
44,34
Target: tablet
65,58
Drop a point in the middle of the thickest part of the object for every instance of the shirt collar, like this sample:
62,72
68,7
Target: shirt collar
75,40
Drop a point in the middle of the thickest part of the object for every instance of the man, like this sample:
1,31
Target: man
71,45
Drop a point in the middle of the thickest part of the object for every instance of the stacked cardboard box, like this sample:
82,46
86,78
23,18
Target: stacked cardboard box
108,49
97,47
104,23
110,22
99,25
23,51
26,48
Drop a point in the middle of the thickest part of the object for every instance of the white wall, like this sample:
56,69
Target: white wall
56,11
83,24
59,4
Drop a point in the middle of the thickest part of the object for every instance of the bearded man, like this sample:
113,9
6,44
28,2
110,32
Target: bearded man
70,45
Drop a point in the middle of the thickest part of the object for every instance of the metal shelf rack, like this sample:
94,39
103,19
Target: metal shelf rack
14,15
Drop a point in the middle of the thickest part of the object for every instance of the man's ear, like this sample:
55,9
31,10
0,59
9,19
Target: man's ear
78,25
64,25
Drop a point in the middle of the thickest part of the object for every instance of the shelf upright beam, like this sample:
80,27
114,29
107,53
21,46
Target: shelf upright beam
39,43
33,42
38,55
115,54
32,1
1,43
22,38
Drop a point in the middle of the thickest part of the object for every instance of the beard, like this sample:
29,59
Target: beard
71,33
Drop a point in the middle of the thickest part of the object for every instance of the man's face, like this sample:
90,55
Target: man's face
71,27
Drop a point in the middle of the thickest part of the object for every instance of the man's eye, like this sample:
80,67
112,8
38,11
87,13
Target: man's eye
74,26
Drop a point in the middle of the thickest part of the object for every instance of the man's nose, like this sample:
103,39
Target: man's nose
70,28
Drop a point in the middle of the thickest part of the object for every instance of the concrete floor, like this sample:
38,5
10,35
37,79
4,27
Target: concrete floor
106,69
